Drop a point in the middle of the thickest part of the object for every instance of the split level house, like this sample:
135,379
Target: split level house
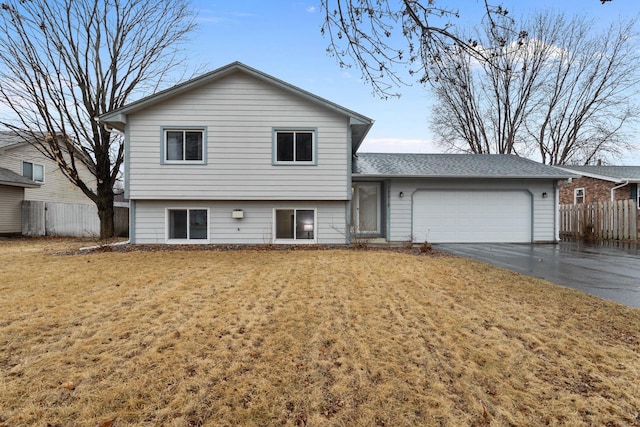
27,175
237,156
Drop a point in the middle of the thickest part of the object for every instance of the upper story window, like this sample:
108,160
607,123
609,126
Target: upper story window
578,196
295,147
184,145
33,171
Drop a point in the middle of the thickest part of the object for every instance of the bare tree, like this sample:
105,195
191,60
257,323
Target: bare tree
65,62
561,94
494,93
590,95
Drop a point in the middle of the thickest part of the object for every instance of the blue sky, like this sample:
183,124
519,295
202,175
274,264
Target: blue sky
282,38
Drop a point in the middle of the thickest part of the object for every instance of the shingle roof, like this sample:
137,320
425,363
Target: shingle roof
610,173
11,178
8,138
453,166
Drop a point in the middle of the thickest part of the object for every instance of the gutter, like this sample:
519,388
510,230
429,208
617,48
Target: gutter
613,190
406,176
20,184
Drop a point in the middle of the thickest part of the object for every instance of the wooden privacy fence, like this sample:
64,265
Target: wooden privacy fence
617,220
66,219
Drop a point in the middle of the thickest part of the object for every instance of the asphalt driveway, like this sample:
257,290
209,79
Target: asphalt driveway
607,271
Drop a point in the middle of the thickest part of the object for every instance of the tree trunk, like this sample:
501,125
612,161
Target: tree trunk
104,203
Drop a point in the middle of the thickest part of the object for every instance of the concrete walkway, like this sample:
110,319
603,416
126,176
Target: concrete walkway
610,271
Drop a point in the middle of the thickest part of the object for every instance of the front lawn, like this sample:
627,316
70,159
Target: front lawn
303,338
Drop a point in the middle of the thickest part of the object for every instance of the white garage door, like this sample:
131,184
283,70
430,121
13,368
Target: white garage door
472,216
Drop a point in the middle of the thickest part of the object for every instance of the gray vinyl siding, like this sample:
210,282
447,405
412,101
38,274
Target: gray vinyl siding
254,228
544,215
10,209
56,187
239,114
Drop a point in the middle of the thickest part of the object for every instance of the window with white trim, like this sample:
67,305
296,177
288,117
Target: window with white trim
184,145
188,224
295,146
33,171
578,196
295,225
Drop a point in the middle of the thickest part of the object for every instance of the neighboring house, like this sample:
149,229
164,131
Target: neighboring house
47,182
600,184
12,188
25,159
238,156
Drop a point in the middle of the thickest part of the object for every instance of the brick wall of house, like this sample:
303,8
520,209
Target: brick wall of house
595,190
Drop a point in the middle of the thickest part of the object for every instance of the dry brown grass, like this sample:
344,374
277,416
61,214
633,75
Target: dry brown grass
315,338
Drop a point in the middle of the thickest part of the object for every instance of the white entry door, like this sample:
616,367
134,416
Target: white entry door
365,212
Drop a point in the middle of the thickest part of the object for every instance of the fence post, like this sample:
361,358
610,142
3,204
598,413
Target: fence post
634,220
620,227
33,218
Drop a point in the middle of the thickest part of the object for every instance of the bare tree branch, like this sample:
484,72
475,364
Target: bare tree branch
381,38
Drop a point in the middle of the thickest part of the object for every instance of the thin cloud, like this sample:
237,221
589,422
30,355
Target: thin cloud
311,9
208,16
211,19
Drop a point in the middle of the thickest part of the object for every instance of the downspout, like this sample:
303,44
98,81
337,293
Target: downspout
613,190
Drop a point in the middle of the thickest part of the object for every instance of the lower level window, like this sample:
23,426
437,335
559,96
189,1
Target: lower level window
295,224
188,224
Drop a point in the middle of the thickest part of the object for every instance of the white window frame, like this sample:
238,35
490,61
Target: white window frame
188,240
296,240
575,195
33,166
184,129
294,162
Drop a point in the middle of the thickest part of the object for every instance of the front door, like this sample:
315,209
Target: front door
365,212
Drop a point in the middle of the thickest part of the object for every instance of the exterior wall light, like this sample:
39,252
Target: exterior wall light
401,194
544,195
